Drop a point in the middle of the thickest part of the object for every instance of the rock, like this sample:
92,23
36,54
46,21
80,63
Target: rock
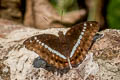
107,55
16,62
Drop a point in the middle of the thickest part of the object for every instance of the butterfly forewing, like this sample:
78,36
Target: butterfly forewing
55,50
89,29
48,47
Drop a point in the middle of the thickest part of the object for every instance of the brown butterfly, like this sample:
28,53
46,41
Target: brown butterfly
65,50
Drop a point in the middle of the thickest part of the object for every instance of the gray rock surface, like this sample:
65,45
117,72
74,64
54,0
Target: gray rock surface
102,62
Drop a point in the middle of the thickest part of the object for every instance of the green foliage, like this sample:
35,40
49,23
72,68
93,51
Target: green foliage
113,14
64,6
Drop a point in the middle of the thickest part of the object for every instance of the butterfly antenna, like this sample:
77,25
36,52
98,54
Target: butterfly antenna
69,63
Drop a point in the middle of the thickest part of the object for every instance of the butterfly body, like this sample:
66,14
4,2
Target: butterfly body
74,45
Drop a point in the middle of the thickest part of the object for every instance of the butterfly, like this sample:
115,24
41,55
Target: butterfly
65,50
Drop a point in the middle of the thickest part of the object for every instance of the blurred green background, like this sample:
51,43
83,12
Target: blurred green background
106,12
112,10
113,14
